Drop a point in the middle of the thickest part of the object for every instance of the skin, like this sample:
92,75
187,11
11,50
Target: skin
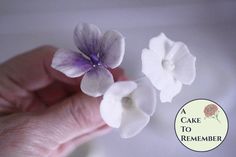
43,112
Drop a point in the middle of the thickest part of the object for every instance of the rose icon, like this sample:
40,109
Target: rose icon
211,111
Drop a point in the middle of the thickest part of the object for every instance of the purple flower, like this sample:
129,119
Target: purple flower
97,52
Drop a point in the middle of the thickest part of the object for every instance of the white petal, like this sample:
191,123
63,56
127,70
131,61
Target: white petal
184,62
160,45
71,63
87,38
144,96
170,91
96,81
112,48
111,111
111,105
152,68
133,121
121,89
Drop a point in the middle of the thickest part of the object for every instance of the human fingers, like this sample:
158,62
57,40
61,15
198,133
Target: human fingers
37,134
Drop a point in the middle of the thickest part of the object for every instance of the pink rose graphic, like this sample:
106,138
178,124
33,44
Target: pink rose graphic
211,111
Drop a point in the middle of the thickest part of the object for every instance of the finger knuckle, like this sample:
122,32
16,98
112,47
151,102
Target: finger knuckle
83,112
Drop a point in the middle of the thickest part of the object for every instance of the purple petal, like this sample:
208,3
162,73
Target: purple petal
112,49
87,38
96,81
71,63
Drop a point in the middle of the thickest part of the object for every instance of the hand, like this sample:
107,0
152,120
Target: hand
43,112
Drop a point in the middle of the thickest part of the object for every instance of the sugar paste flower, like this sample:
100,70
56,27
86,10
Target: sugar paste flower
168,65
128,105
97,52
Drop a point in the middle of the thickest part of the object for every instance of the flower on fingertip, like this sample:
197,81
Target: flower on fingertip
128,105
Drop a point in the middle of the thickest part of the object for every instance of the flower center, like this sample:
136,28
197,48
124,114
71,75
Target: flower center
95,59
168,65
127,102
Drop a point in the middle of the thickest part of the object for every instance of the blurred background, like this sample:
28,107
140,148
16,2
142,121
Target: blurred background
208,27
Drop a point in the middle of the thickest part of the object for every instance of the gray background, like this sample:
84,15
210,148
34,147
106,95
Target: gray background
208,27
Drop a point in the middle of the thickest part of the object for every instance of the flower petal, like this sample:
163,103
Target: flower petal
111,111
144,96
121,89
112,48
96,81
152,68
87,38
133,121
160,45
111,105
184,61
71,63
170,91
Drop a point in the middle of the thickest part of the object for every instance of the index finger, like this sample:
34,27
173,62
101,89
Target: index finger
32,70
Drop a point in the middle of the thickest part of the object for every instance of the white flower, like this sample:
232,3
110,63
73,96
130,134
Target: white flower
128,105
168,65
